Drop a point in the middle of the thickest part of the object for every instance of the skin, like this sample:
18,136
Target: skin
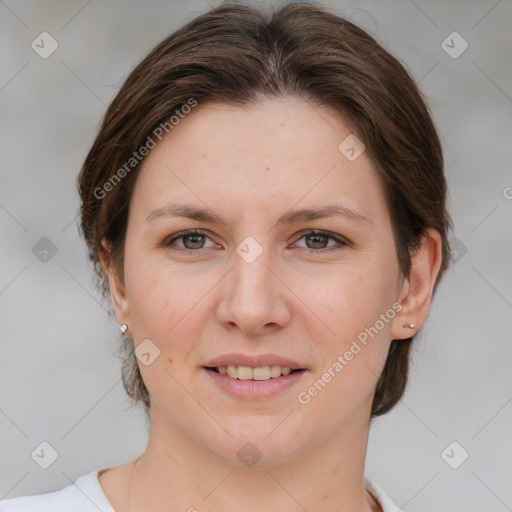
249,166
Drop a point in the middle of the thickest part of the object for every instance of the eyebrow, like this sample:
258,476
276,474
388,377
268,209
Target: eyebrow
290,217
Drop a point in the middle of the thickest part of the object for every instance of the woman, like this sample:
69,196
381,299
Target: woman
265,204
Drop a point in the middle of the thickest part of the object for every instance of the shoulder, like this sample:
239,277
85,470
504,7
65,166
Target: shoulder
380,496
85,495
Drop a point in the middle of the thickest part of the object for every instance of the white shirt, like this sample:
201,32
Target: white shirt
86,495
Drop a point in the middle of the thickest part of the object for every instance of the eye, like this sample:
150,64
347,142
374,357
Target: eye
193,240
318,239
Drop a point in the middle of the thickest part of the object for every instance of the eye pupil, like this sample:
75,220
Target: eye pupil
317,237
194,237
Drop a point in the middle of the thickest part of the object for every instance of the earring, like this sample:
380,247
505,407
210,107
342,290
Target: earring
411,326
123,328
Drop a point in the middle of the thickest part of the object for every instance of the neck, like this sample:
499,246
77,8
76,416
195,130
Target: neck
186,475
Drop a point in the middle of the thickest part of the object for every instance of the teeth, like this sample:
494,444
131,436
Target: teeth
248,373
275,371
244,373
261,373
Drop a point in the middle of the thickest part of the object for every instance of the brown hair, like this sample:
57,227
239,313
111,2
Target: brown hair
240,54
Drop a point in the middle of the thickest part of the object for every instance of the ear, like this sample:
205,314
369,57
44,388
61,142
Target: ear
116,284
417,289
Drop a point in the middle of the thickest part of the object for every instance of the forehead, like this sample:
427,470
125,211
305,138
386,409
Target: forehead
269,155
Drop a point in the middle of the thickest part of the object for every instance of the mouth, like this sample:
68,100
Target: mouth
250,376
260,373
253,382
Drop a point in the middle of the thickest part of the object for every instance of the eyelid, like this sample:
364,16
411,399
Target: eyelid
341,241
176,236
313,231
337,238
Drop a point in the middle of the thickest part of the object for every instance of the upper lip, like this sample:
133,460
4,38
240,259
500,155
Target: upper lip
253,361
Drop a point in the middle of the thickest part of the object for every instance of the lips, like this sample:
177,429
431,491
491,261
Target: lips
253,377
257,361
253,389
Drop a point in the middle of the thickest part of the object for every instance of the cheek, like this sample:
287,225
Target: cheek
347,298
355,306
352,358
167,303
163,309
155,293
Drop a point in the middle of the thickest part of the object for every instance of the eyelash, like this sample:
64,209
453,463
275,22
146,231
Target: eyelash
168,242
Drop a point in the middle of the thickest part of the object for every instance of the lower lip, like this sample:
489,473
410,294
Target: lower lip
253,389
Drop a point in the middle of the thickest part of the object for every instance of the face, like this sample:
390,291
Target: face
259,284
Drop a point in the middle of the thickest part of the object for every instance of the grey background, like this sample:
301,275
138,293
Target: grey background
59,378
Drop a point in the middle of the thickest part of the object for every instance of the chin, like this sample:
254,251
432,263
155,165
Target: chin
256,440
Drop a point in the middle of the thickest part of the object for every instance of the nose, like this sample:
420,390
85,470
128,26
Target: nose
254,297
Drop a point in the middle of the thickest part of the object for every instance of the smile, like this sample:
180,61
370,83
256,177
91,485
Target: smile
248,373
253,383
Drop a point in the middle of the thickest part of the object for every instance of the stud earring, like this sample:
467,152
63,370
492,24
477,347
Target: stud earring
123,328
411,326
